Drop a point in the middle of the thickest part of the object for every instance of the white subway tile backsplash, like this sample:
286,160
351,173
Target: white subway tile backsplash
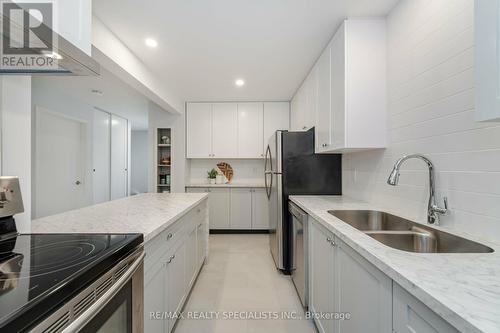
245,170
431,111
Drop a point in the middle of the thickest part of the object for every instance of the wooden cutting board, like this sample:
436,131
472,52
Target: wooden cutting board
226,170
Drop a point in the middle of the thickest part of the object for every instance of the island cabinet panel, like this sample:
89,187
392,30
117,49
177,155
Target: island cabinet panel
191,256
175,280
412,316
154,300
173,261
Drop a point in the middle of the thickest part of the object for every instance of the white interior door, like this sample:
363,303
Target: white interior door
119,157
101,148
250,130
60,164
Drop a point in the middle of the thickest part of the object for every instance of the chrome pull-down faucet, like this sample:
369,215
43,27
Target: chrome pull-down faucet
433,210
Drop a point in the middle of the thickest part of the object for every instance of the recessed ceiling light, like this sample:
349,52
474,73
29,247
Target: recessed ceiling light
151,42
239,82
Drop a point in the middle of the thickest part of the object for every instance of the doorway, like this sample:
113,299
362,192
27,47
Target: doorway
60,163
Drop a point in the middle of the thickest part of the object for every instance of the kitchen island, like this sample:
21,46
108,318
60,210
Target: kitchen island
175,230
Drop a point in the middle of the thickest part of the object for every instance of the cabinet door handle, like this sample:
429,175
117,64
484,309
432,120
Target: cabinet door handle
170,259
328,239
169,236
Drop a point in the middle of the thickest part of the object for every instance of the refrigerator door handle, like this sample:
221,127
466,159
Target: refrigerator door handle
268,172
270,185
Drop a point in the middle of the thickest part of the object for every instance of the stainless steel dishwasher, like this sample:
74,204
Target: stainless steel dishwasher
299,252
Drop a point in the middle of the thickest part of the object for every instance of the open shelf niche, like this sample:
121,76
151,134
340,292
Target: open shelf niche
164,159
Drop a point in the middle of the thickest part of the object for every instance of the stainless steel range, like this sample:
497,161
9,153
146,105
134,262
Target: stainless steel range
67,282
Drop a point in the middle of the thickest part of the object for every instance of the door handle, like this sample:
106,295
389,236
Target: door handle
78,182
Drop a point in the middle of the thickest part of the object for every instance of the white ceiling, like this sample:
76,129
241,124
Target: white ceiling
117,96
205,45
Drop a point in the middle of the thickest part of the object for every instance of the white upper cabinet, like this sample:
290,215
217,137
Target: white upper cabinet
487,59
224,130
250,130
323,104
337,115
304,104
276,117
348,103
199,130
233,130
74,22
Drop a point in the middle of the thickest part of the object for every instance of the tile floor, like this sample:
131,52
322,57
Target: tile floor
240,276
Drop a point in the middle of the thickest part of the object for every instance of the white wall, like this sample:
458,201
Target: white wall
139,162
431,111
111,53
15,109
45,95
245,171
159,118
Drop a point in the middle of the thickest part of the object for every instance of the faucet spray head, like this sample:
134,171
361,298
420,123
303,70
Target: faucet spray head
393,179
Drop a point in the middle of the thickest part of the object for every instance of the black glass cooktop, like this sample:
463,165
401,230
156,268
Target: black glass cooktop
39,272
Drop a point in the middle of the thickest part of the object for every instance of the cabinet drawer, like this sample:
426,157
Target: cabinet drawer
158,246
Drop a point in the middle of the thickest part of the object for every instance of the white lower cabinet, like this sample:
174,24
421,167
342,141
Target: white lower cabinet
173,260
201,243
260,209
241,208
321,277
411,316
218,201
191,256
236,208
176,281
154,299
363,291
342,282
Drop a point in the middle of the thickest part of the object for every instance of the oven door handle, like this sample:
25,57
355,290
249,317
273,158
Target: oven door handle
80,322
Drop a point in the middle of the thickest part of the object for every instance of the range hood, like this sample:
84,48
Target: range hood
67,58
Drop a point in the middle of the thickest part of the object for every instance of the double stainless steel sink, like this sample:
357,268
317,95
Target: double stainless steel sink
406,235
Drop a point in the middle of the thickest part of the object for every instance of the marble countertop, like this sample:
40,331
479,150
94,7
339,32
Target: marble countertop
249,185
148,214
464,289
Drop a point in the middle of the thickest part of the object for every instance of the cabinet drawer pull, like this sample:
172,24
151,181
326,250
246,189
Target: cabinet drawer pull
169,236
328,239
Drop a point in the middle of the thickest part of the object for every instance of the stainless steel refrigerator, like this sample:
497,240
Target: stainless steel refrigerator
292,168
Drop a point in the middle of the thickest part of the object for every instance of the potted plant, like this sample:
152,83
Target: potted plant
212,175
